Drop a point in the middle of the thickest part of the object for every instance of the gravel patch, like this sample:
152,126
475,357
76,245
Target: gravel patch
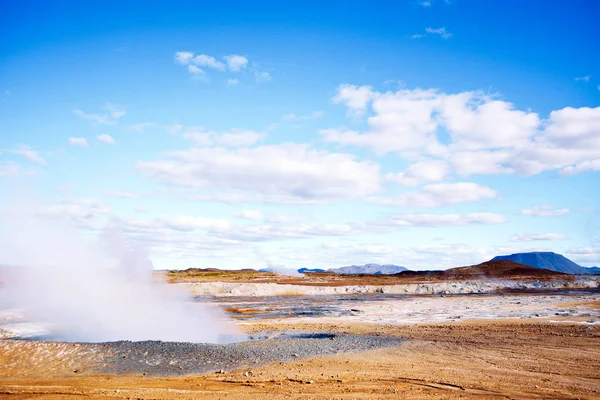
171,358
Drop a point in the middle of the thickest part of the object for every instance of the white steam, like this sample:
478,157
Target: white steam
88,292
283,270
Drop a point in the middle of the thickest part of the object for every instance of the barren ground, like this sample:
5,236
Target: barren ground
501,357
477,360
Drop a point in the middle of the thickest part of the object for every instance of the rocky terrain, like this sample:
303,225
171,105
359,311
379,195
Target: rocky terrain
475,286
171,358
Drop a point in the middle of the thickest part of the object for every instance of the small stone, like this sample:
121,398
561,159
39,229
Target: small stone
295,355
246,373
310,382
76,370
221,371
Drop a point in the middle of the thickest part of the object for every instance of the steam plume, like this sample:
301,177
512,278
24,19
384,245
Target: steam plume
83,291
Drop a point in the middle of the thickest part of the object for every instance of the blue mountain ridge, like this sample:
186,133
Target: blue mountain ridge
387,269
593,270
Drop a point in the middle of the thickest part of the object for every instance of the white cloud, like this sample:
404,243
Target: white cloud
590,165
439,31
85,212
282,173
220,197
101,119
530,237
106,139
143,126
238,138
402,122
276,231
195,70
294,117
198,74
113,113
119,194
171,129
184,57
427,170
583,78
483,135
283,218
439,194
426,3
231,138
204,60
484,162
574,125
588,256
190,223
235,62
31,155
354,97
196,65
10,169
262,76
436,220
250,214
476,122
78,141
417,36
545,211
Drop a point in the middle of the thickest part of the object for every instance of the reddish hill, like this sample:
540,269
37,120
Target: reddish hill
500,268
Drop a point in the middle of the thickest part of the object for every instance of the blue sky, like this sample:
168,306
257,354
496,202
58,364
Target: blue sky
428,134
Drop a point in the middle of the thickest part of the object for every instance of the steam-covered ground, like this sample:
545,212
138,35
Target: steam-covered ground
568,306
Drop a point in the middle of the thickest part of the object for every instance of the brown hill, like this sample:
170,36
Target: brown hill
500,268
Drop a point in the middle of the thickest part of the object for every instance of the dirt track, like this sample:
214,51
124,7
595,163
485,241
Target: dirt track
473,360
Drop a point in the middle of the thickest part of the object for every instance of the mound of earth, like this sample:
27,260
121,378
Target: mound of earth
488,269
501,268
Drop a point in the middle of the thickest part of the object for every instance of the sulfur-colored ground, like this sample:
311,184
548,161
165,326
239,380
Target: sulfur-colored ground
501,359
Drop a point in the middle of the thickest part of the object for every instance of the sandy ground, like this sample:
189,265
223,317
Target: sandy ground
492,360
557,356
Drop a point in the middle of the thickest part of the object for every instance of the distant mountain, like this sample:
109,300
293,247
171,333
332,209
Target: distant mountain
387,269
546,260
265,270
303,270
593,270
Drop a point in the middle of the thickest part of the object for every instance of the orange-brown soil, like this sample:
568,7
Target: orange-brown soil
469,360
491,269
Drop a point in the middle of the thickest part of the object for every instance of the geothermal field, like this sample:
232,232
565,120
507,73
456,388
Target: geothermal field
312,200
496,330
